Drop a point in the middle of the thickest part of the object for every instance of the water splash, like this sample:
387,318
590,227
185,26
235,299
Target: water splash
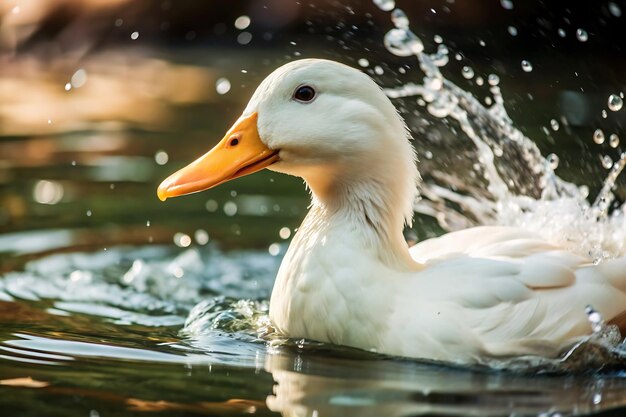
522,188
154,286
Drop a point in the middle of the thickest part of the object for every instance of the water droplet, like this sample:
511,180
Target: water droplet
242,22
597,398
79,78
479,81
68,87
147,223
442,105
582,35
506,4
512,30
222,86
403,42
244,38
595,319
211,206
274,249
467,72
89,213
607,162
230,208
78,275
119,22
458,57
598,136
604,115
364,62
134,36
399,19
437,39
385,5
482,43
161,157
615,102
614,9
284,232
440,58
48,192
554,125
553,161
493,79
379,70
527,66
176,270
561,32
613,140
182,240
201,237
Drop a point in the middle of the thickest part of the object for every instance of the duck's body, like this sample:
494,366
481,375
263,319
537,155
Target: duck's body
477,293
348,276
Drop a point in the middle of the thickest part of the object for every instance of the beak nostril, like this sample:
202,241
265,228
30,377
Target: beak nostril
234,141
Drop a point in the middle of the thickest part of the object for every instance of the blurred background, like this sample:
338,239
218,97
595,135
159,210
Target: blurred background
102,99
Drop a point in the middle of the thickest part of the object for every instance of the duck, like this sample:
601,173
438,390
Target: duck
349,277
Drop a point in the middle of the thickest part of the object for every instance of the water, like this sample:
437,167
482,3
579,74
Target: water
615,102
142,309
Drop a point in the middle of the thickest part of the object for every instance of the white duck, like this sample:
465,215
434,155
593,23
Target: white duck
348,277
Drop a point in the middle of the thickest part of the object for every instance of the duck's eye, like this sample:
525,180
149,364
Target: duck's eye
304,94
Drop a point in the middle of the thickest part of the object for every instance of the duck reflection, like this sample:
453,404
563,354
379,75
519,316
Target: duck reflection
322,386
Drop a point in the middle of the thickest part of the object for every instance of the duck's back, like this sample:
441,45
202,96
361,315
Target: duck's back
504,291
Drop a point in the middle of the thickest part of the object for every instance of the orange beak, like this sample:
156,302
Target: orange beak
239,153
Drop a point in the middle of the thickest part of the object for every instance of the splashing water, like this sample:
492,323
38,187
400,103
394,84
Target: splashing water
522,188
152,286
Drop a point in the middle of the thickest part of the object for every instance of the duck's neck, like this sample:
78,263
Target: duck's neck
374,207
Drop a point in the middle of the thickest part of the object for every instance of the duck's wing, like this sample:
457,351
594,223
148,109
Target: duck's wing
481,242
508,292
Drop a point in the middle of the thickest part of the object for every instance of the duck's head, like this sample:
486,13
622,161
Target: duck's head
323,121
